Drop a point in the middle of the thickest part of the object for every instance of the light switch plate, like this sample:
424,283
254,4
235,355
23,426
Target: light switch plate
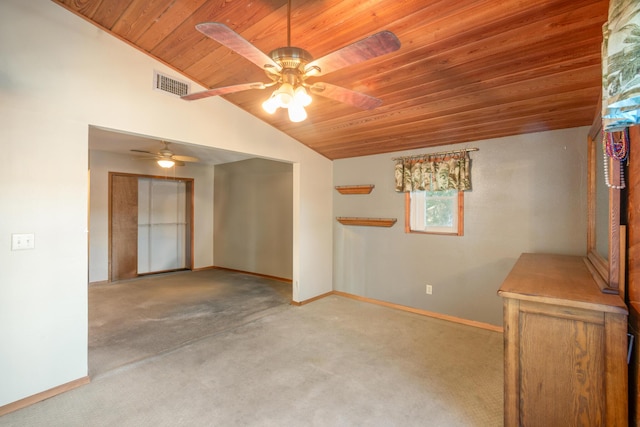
22,241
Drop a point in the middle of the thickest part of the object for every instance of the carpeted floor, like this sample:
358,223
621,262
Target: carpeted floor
334,362
132,320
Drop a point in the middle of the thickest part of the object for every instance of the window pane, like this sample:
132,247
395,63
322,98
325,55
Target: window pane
434,212
440,208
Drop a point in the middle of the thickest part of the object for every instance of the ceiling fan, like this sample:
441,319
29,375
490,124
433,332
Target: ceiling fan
290,67
166,158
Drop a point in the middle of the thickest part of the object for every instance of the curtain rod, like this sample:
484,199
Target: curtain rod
439,153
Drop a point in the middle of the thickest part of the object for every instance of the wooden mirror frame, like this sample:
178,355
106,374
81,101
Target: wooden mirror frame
606,272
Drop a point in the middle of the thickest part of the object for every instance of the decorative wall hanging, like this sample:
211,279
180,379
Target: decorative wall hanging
621,65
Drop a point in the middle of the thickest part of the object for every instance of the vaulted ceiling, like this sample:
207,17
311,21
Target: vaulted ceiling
466,69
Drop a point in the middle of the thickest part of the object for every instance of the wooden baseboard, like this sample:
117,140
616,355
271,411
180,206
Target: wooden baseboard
30,400
211,267
440,316
100,282
266,276
307,301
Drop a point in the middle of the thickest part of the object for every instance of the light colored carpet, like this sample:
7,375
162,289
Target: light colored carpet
334,362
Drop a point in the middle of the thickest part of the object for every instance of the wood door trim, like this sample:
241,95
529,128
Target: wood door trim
189,214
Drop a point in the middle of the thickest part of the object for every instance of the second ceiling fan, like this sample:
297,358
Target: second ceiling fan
290,67
165,157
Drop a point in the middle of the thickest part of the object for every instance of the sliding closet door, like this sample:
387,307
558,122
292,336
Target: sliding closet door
162,225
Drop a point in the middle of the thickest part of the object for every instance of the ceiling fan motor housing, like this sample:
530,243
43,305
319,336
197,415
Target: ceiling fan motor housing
291,57
293,61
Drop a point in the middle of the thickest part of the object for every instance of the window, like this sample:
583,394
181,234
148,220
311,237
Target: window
439,212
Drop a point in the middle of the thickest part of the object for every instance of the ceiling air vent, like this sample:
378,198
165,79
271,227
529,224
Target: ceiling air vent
170,85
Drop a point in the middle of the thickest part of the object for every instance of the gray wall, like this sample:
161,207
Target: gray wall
529,195
253,217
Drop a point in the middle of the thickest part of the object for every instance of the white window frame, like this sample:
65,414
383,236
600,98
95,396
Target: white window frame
415,215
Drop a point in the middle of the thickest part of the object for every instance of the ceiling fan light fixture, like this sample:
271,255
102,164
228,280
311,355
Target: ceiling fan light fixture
294,100
166,163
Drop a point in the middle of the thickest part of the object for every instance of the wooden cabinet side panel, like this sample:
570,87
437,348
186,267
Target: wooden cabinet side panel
616,380
562,371
634,366
511,362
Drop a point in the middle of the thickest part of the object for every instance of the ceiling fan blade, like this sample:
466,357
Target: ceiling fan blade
347,96
234,41
223,90
179,158
373,46
142,151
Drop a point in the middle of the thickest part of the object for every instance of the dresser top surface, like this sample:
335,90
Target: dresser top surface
558,279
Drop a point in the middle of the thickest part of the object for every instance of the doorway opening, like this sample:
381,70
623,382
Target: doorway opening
241,209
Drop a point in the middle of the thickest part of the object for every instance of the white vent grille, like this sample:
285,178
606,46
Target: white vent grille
170,85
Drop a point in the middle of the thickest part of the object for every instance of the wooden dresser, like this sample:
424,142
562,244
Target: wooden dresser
565,346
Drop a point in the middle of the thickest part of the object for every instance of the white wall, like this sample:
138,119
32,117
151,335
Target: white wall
101,163
55,82
529,195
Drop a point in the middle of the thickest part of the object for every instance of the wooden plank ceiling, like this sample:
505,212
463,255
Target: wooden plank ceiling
467,69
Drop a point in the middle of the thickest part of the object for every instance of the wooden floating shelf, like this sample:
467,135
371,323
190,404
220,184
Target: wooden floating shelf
354,189
369,222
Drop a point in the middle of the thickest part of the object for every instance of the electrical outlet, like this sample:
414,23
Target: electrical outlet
429,289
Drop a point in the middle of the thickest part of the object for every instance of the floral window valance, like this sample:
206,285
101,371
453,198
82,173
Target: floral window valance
434,172
621,66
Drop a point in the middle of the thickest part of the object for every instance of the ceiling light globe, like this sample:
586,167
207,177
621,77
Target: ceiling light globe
301,97
297,113
284,95
165,163
270,105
